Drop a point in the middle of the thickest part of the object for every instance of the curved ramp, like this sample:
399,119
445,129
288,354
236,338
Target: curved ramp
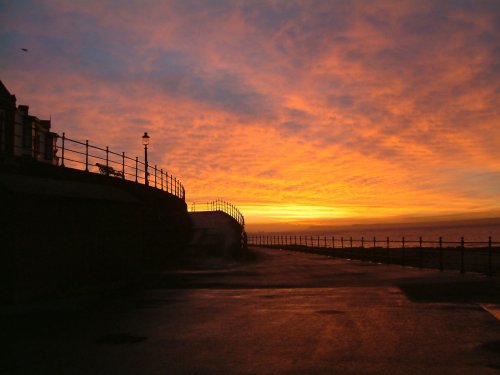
215,233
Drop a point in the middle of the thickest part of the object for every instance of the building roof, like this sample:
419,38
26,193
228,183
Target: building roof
5,94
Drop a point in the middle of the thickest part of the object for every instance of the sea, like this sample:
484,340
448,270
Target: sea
471,231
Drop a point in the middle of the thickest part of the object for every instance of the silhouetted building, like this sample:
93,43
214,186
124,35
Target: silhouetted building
24,135
7,119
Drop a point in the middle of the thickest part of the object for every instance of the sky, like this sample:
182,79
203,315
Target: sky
298,112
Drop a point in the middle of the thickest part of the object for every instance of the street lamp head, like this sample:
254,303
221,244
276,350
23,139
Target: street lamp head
145,139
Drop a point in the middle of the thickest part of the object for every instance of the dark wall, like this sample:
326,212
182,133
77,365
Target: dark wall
62,230
215,233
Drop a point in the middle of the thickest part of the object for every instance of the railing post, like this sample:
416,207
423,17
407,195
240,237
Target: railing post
374,246
490,265
62,152
441,268
421,254
87,155
462,255
403,252
107,161
362,250
136,167
350,239
123,165
155,176
388,252
161,178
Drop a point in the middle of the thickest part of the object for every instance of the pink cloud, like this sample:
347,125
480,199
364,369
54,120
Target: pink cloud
376,108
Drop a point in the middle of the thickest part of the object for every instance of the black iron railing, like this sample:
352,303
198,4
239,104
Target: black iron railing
84,156
479,255
220,205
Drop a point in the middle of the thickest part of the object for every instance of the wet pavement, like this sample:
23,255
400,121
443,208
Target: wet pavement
279,313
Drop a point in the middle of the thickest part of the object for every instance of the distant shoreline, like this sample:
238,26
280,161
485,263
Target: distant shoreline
320,229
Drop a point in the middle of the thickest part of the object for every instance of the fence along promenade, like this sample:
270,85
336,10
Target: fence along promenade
222,206
464,255
84,156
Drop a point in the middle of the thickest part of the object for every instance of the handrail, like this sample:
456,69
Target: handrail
220,205
361,247
153,176
81,155
342,242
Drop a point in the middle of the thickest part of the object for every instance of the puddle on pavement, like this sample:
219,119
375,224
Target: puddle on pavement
120,339
154,303
330,312
491,346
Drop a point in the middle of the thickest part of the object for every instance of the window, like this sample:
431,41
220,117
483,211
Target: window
2,131
27,135
48,146
37,145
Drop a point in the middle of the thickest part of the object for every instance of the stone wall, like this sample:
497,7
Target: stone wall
64,230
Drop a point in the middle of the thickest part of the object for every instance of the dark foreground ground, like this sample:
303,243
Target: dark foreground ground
281,313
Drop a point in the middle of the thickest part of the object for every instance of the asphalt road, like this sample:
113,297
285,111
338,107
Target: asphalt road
280,313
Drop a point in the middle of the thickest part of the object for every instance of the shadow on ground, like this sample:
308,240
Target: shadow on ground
487,291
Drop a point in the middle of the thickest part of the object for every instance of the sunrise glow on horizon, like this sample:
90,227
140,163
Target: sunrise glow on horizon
294,111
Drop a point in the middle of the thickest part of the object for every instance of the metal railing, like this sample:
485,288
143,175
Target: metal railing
220,205
87,157
417,252
84,156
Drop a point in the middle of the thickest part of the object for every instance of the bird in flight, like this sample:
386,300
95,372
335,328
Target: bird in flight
24,49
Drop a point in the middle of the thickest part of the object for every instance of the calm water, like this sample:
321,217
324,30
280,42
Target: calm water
471,231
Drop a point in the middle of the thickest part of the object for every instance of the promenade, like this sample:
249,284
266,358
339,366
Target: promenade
279,313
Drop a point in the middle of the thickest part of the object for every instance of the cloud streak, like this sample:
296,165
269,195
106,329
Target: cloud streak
358,109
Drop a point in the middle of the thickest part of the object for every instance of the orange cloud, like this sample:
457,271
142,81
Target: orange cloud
291,110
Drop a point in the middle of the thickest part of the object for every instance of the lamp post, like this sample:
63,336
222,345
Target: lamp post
145,142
